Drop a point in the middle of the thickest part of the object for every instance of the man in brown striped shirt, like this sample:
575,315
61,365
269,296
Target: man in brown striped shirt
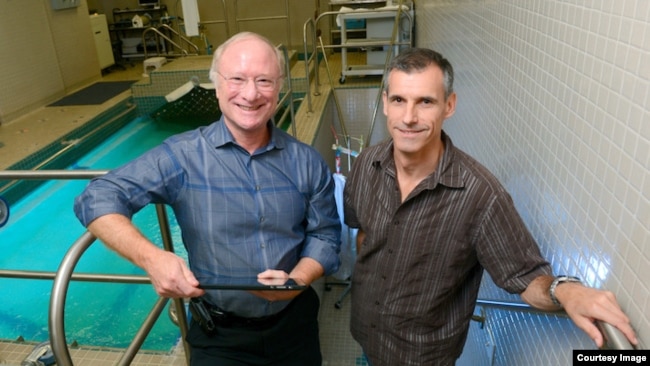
431,219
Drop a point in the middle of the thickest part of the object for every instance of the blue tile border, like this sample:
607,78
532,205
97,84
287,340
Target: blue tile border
56,155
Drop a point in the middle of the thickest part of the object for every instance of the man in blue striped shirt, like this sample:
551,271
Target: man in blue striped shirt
250,201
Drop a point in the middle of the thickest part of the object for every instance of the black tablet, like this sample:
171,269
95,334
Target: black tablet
249,283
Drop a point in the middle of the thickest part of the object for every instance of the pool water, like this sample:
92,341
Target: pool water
41,229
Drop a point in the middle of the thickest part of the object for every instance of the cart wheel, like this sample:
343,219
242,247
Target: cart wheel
328,288
337,305
342,80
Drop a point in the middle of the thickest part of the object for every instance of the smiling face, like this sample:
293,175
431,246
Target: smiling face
415,107
245,107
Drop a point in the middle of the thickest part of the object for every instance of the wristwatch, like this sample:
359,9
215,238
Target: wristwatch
558,280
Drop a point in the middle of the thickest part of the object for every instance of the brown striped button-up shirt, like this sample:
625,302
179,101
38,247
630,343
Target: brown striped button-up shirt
418,271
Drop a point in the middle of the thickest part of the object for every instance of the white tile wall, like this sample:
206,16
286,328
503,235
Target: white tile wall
554,98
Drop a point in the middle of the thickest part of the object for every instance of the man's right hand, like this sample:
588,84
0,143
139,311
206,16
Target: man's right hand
170,276
168,272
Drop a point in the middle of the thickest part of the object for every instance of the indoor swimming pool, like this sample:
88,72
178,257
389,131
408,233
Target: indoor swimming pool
42,227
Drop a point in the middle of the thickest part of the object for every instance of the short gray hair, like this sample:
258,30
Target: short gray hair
417,59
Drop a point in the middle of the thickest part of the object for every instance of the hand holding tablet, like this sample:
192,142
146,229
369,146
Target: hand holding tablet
249,283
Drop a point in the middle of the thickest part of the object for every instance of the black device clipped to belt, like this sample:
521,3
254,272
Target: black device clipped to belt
202,315
209,317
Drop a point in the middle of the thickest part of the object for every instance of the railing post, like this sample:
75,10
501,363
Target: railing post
57,299
65,273
168,244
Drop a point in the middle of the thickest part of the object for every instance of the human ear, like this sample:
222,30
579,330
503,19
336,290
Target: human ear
450,105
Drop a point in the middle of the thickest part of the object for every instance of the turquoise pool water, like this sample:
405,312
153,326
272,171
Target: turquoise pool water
41,229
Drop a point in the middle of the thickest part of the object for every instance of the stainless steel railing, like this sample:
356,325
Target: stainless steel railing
309,36
177,49
64,274
287,99
614,338
310,30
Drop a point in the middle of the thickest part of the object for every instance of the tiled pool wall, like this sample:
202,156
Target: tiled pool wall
59,154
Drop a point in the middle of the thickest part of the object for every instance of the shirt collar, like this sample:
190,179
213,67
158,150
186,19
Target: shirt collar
449,173
219,135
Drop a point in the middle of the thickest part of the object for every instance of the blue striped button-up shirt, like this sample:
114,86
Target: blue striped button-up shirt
239,214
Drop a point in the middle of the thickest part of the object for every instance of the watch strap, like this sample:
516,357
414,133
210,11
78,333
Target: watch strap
556,281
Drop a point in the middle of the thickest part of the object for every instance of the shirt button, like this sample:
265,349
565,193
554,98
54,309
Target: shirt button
262,219
257,188
376,302
262,245
396,222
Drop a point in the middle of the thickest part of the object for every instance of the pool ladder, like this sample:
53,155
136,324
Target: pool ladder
65,274
60,289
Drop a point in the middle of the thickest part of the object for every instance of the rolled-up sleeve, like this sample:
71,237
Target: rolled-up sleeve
151,178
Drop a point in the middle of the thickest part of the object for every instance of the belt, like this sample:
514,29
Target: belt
226,319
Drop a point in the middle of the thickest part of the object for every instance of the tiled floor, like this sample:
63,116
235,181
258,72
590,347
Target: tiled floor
28,134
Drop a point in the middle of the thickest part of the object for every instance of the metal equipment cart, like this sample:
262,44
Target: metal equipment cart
380,25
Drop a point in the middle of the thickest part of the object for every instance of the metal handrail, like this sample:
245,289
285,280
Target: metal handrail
337,104
185,40
64,275
60,289
308,57
82,277
288,94
360,14
159,34
614,338
312,25
50,174
389,56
